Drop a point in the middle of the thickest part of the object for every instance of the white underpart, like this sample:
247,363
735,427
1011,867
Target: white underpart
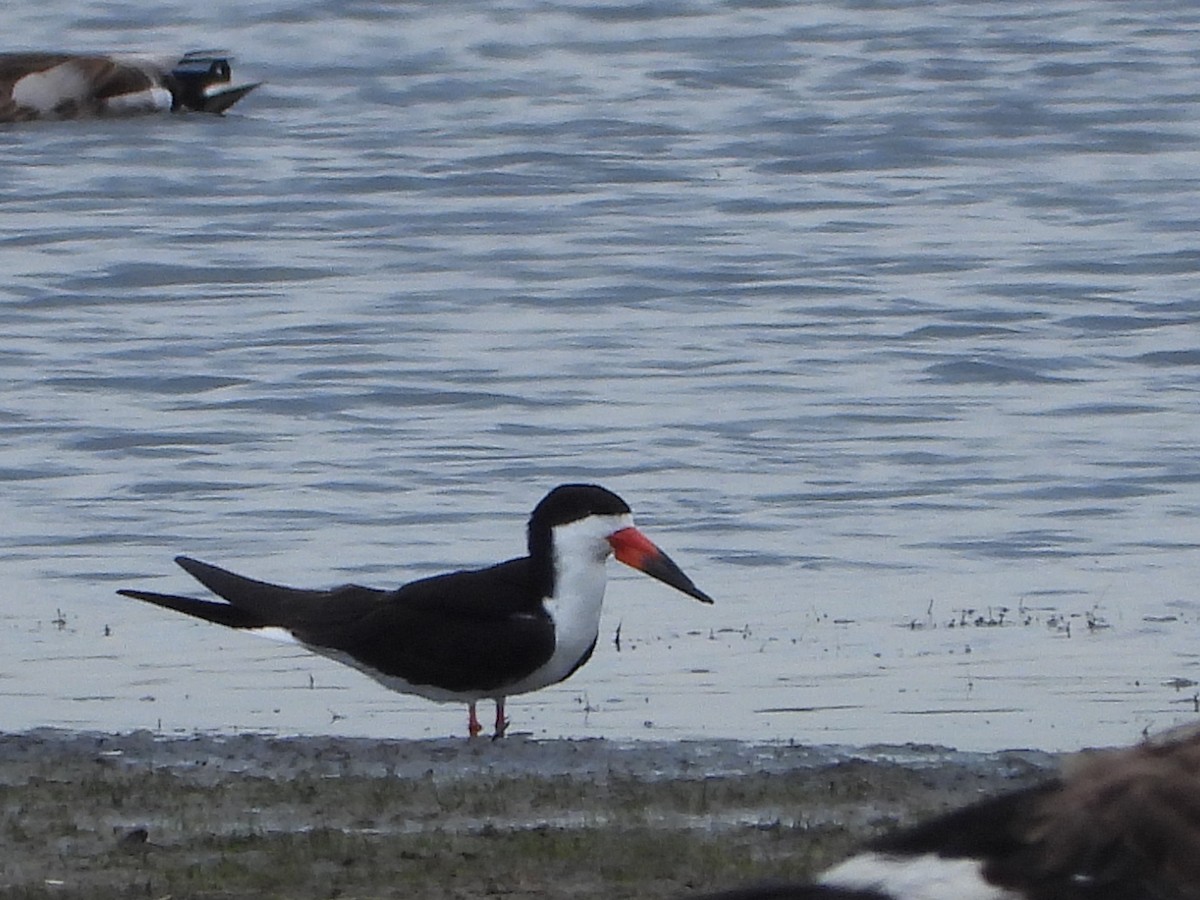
155,99
275,633
581,550
925,877
45,90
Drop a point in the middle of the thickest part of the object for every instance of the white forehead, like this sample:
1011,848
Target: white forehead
589,531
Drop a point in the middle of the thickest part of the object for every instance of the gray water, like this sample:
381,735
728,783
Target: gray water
883,317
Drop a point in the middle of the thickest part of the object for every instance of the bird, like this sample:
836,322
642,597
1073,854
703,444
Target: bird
474,634
41,85
1115,824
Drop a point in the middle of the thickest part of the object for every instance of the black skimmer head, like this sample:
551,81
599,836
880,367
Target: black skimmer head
506,629
1117,825
576,524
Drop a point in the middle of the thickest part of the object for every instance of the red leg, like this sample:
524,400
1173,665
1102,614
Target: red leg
501,722
473,725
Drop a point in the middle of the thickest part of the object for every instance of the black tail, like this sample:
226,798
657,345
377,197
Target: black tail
221,613
262,597
260,604
252,603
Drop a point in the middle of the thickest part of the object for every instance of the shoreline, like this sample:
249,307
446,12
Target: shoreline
115,815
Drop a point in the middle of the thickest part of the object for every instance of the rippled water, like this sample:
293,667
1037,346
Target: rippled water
882,316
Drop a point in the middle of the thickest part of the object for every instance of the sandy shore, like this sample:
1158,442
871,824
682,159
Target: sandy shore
139,815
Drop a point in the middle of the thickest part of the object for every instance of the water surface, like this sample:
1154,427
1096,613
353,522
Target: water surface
882,317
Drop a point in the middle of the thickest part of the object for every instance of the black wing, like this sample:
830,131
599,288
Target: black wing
474,630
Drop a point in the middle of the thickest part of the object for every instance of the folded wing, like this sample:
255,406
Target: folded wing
472,630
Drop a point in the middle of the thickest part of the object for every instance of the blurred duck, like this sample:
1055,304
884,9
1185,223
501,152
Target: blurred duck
78,85
1116,825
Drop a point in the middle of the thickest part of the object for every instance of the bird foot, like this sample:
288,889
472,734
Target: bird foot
501,720
473,724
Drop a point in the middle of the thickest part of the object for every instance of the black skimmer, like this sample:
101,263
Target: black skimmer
464,636
83,85
1116,825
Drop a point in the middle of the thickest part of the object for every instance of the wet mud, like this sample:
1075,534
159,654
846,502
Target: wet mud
211,816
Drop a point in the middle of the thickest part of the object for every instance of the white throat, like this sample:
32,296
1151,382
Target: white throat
581,550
